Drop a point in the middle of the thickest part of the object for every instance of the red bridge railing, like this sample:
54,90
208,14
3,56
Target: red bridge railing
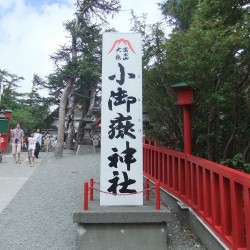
220,196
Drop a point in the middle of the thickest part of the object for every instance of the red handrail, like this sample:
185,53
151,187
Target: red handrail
219,195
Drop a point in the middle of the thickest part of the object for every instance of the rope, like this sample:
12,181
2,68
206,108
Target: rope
105,192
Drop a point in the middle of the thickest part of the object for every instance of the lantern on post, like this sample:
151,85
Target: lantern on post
185,93
8,113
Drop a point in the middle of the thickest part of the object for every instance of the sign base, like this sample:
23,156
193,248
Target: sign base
121,228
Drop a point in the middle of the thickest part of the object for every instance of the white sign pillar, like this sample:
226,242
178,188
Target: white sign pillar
121,130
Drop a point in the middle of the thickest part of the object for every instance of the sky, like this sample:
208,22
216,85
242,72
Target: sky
32,30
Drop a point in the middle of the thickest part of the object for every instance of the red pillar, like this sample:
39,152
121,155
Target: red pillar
187,130
91,191
86,196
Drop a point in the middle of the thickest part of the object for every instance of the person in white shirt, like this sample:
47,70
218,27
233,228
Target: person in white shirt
38,140
31,149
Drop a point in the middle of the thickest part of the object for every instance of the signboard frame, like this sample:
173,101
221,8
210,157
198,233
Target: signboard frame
121,178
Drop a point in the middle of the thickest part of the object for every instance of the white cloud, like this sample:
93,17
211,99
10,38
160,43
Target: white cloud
29,34
28,37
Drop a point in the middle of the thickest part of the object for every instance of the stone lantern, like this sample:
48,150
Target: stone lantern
87,131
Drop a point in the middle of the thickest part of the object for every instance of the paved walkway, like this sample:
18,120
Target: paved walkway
37,204
12,177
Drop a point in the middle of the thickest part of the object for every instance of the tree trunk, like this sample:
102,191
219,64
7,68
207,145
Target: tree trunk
246,151
229,142
61,123
231,138
63,103
210,149
92,102
70,121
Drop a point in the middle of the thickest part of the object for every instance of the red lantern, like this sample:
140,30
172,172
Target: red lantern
184,93
8,113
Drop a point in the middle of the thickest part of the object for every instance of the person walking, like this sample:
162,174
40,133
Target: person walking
31,149
17,142
38,140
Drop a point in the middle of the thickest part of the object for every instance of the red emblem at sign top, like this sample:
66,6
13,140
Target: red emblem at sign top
126,42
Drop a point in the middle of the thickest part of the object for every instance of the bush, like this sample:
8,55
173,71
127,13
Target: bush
238,163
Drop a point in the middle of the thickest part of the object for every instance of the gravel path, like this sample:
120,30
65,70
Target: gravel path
40,215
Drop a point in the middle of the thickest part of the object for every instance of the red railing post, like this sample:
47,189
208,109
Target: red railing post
147,189
91,191
157,196
85,199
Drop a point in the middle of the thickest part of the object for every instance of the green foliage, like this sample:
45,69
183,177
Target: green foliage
179,13
238,163
29,109
25,117
209,48
84,68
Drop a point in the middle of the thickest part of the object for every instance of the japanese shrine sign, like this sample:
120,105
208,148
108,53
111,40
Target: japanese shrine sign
121,133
